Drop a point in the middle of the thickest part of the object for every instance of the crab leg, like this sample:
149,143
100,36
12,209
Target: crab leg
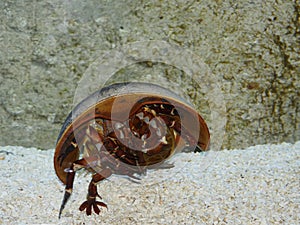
93,193
68,188
92,190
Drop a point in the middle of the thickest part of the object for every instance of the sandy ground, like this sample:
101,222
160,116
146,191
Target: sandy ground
258,185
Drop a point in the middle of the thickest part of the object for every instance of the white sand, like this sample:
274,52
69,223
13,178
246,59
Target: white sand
259,185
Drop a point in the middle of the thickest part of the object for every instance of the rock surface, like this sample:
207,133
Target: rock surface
251,47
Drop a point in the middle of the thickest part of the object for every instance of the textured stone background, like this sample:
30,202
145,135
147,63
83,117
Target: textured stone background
251,46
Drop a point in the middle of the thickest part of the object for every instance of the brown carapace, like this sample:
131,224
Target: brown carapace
125,129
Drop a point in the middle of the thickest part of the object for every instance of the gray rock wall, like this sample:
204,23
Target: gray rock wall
252,47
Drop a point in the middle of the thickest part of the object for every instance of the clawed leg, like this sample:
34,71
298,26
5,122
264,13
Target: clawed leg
92,194
68,188
92,190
